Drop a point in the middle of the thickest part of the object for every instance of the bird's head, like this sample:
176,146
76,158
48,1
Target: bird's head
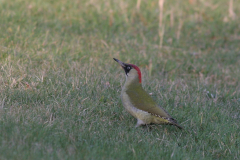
132,71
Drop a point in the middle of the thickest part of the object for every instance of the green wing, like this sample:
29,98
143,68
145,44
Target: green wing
141,100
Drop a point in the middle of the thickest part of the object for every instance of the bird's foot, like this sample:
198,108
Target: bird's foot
139,123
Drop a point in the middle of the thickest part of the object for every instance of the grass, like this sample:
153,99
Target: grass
60,88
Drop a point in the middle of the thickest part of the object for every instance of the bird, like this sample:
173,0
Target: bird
138,102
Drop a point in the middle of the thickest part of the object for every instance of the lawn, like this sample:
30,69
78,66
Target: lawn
60,87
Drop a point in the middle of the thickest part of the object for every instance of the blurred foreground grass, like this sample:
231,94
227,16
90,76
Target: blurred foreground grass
60,88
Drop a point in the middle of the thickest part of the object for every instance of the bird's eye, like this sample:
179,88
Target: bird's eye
128,68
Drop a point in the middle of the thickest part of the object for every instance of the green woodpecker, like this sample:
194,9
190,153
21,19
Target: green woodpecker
138,102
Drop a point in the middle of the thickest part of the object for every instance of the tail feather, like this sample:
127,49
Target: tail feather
166,120
175,123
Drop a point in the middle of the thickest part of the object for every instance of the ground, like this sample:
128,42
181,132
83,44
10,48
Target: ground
60,88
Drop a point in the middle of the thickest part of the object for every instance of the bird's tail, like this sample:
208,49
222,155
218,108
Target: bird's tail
166,120
175,123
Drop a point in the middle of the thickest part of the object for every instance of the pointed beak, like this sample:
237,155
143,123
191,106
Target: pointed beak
120,62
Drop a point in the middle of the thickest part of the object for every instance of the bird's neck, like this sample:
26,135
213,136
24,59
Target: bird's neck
132,81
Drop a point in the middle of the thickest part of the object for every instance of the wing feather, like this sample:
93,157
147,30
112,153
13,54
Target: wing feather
141,100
